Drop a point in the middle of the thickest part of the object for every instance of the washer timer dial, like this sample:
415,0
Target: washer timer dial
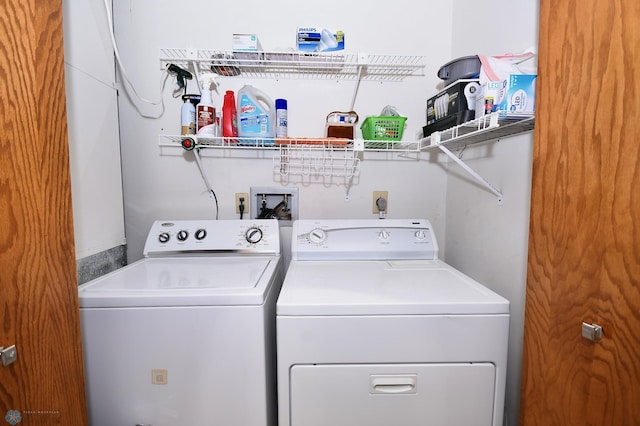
253,235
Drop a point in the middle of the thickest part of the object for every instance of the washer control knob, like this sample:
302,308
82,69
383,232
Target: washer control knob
384,235
317,236
201,234
253,235
164,237
182,235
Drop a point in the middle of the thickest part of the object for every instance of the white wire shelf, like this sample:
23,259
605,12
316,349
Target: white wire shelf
487,128
330,157
298,65
323,157
314,144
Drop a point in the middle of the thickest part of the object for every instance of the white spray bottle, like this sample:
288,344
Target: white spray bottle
205,111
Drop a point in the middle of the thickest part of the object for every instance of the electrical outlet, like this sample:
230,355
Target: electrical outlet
159,377
245,198
380,194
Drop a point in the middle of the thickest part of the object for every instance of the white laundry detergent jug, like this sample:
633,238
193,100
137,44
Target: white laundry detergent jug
256,116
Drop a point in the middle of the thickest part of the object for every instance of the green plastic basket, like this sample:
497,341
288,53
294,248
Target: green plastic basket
383,128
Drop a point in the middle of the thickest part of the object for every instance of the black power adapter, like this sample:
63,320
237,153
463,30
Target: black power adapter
180,73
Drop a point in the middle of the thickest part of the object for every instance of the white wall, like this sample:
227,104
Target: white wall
166,183
94,144
486,240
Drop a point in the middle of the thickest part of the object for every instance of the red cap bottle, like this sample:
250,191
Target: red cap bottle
229,115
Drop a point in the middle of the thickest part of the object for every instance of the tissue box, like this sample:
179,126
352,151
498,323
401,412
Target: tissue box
246,43
341,124
317,39
247,48
520,95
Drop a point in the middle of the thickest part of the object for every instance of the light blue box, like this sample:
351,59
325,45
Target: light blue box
520,95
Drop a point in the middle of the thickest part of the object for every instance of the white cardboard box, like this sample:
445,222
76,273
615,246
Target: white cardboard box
246,43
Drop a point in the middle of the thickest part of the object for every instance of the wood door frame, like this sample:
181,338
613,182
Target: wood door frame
38,285
583,243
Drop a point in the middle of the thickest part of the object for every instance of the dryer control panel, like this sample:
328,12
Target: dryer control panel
367,239
189,237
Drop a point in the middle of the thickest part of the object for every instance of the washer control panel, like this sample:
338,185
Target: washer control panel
367,239
213,236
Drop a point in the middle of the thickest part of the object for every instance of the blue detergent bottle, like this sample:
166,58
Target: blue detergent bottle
256,117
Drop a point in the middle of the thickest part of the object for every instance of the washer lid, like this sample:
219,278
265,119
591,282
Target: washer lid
420,287
184,281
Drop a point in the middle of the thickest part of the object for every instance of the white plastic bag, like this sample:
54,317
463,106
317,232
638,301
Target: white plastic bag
495,72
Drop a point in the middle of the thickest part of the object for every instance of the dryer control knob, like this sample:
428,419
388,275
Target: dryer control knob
164,237
182,235
317,236
384,235
253,235
201,234
420,234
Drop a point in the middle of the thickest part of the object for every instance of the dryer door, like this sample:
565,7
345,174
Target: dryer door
393,394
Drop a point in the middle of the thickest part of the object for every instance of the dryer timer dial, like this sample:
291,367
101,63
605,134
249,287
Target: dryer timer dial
317,236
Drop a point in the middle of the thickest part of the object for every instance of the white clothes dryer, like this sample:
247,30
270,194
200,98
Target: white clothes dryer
186,336
374,330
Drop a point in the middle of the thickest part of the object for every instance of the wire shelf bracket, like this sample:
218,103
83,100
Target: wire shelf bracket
489,127
473,173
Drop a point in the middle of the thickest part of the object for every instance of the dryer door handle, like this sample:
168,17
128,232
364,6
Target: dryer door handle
393,384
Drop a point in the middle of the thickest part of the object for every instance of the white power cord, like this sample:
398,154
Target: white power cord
204,178
124,72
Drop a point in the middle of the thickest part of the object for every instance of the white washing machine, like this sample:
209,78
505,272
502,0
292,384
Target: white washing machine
374,330
186,336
